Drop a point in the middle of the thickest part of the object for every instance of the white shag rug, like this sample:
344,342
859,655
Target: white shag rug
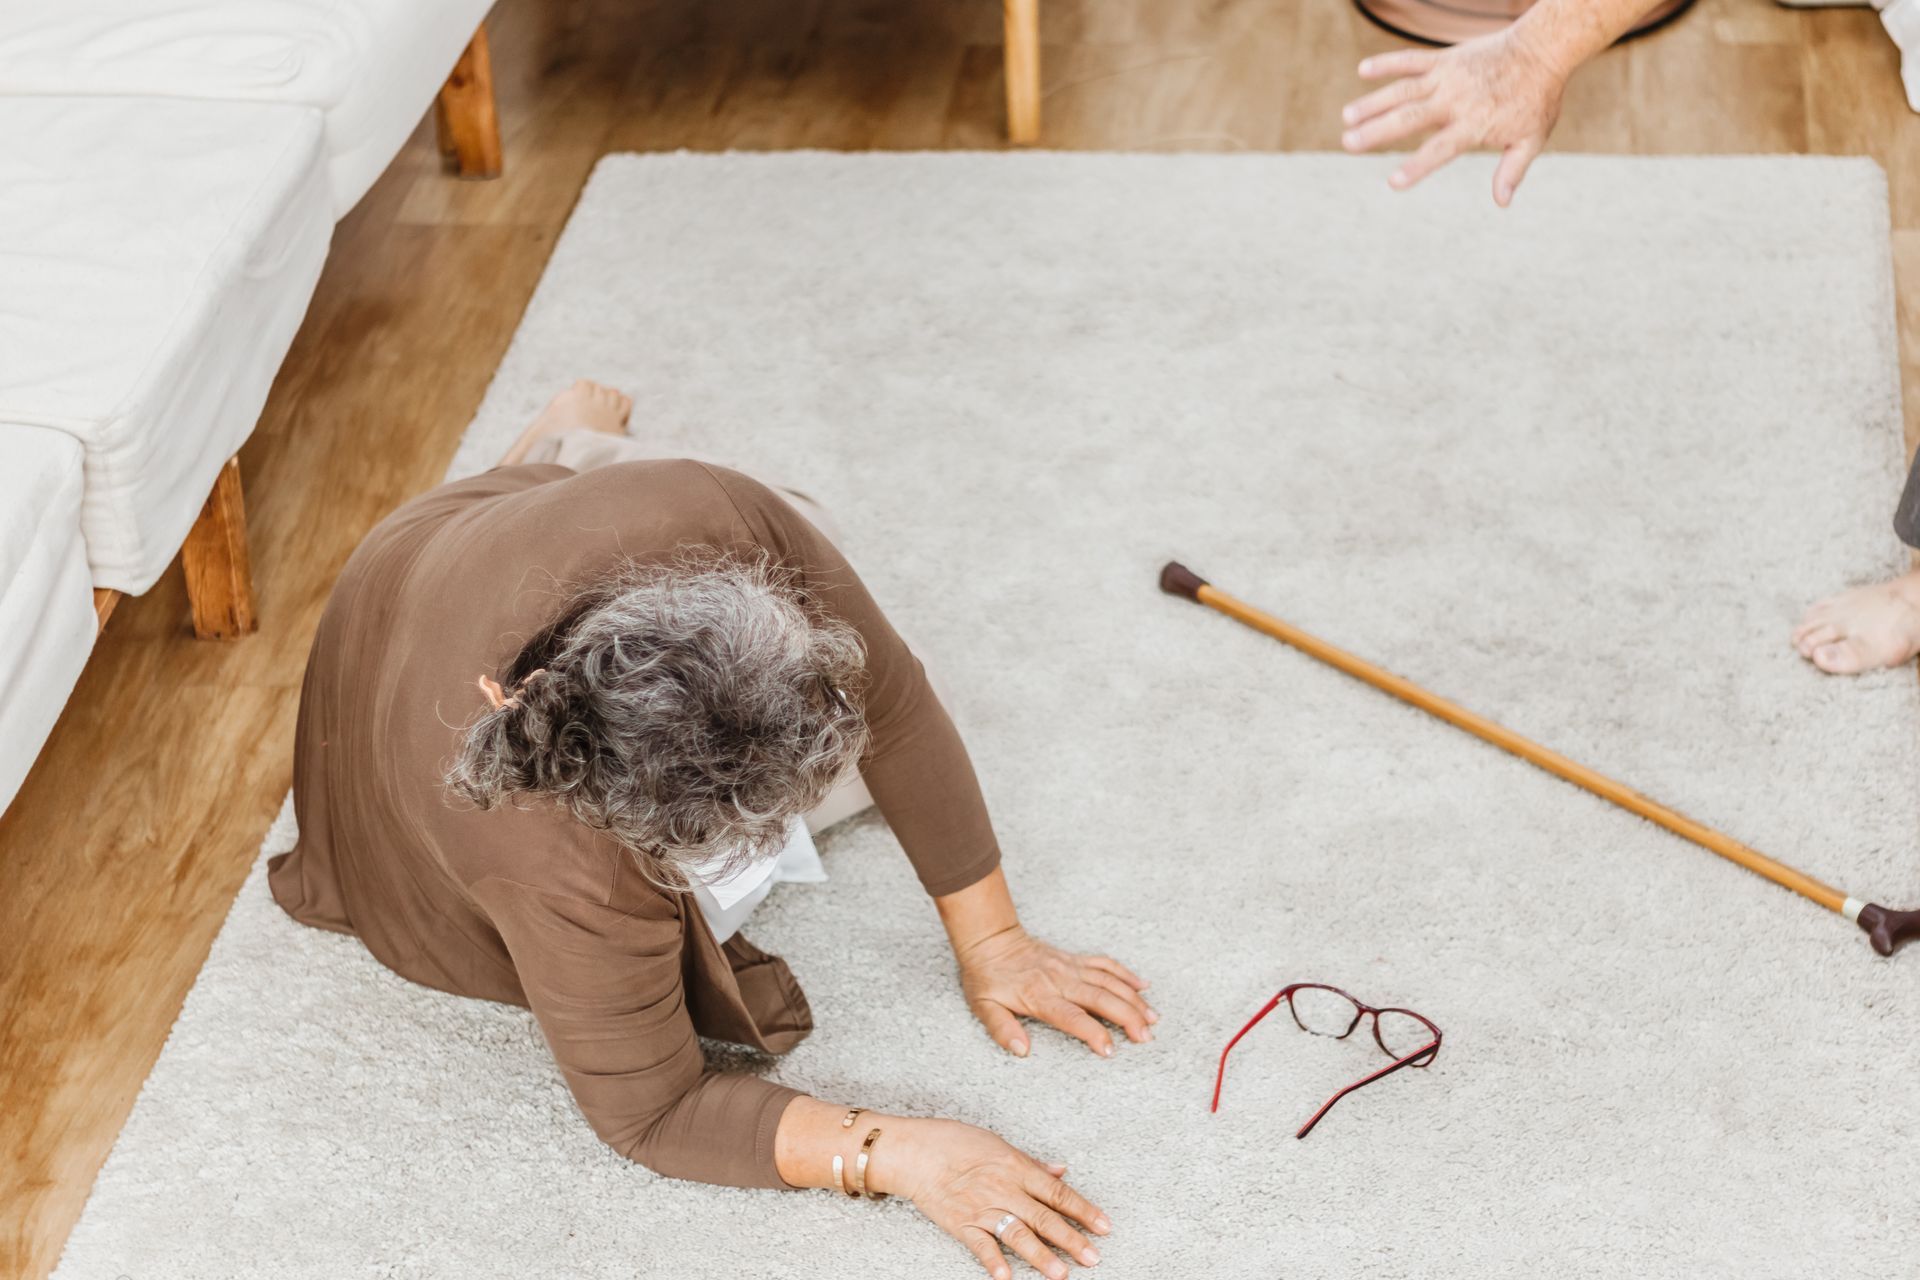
1578,465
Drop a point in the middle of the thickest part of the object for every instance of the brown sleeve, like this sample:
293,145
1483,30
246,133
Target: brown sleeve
604,984
916,767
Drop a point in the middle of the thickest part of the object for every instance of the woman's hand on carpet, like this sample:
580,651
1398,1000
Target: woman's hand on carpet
966,1180
1497,93
1011,974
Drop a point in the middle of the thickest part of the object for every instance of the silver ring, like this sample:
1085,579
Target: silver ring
1000,1227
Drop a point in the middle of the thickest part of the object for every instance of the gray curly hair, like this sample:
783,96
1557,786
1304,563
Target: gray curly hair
690,709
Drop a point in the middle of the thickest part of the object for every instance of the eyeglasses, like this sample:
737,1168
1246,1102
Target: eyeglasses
1403,1035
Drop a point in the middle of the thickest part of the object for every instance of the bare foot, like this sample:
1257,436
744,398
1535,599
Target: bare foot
1864,629
584,406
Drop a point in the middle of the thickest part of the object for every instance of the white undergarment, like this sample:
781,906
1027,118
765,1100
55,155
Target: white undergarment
726,903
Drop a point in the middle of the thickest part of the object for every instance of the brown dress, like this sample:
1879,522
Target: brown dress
523,904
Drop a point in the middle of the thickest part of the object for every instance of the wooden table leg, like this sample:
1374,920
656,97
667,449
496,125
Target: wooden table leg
464,115
219,576
1023,70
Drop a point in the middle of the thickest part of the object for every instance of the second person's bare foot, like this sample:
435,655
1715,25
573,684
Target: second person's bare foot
584,406
1863,629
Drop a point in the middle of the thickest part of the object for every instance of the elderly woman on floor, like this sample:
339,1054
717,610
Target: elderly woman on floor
564,723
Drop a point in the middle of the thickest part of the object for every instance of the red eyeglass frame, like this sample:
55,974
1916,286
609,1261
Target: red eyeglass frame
1362,1009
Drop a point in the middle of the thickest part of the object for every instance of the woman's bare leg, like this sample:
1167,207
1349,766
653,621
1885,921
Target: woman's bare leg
584,406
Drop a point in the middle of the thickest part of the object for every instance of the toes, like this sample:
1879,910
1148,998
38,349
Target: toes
1823,634
612,399
591,390
1817,614
1840,659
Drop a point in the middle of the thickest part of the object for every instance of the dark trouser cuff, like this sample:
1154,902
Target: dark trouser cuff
1906,516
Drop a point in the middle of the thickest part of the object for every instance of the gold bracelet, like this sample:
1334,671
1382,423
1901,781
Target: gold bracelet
860,1169
839,1162
839,1178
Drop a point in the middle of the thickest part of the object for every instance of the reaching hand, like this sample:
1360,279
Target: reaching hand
967,1181
1494,93
1011,974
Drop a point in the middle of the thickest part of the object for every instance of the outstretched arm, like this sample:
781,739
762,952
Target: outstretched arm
604,981
1499,93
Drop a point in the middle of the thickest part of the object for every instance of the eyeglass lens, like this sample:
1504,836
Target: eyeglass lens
1323,1011
1326,1012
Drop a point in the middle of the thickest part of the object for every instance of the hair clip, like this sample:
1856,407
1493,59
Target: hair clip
497,697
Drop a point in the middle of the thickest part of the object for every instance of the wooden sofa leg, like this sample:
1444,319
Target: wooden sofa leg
219,578
442,132
464,115
1023,70
104,599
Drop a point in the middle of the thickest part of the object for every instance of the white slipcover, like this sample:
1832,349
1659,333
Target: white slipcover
46,604
370,67
156,258
170,172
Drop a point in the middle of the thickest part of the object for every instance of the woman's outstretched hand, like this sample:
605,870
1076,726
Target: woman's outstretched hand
967,1180
1496,93
1010,974
1007,974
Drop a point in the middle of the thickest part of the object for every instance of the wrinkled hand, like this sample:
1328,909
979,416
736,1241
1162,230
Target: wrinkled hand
1012,975
1493,93
966,1180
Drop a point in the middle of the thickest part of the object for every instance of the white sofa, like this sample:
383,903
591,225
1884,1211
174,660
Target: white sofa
46,612
153,301
368,68
170,179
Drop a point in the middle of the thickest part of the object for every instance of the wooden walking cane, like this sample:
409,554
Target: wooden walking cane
1884,927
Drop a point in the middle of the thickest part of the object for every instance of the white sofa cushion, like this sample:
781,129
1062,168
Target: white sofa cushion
371,67
46,605
156,258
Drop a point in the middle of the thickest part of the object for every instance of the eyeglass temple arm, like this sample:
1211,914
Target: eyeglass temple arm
1327,1106
1220,1077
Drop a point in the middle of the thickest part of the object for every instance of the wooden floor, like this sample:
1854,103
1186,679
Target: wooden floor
120,857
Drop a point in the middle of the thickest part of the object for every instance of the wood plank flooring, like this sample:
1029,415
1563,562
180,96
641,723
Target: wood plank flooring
120,857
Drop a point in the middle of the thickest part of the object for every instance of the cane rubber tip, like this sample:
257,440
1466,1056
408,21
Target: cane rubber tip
1887,929
1178,580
